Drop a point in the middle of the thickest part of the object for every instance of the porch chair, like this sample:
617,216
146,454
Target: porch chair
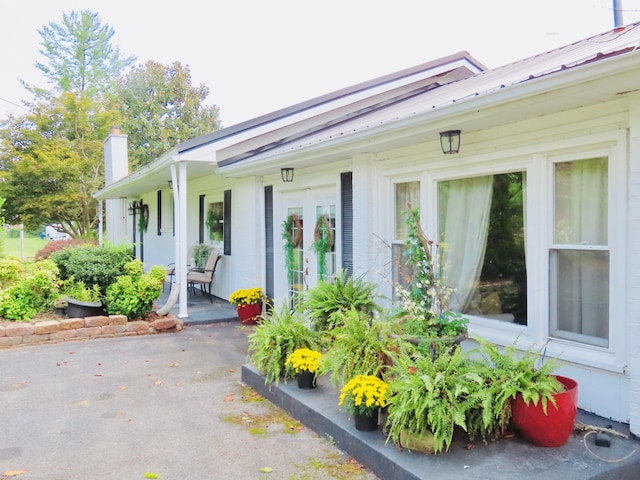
204,278
171,268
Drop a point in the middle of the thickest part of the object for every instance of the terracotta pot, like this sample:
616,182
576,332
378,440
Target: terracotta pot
306,379
367,422
554,428
248,314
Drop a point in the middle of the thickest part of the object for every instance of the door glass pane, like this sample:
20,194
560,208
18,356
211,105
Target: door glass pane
482,242
580,296
296,275
324,244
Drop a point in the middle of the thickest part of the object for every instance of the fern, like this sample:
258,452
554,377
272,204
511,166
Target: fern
327,301
511,372
359,346
275,338
439,395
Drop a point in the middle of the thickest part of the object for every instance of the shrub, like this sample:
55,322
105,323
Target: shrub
33,292
10,270
133,294
54,246
93,264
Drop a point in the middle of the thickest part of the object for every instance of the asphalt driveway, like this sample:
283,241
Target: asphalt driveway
170,405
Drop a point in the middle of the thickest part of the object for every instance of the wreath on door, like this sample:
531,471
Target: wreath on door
143,221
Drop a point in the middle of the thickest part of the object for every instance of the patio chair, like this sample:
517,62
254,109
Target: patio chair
204,278
171,268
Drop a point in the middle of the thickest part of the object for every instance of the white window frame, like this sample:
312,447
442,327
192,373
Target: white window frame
539,174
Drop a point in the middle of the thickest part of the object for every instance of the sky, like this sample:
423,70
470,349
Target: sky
257,56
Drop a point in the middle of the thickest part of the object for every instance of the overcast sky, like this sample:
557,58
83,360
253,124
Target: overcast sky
257,56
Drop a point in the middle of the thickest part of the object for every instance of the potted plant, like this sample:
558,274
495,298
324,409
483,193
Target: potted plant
82,300
327,301
423,315
358,346
542,405
306,363
201,252
248,303
429,398
363,396
276,337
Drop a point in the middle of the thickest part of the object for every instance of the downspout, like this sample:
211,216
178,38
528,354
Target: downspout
175,286
618,22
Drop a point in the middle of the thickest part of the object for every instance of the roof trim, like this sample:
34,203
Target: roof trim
322,99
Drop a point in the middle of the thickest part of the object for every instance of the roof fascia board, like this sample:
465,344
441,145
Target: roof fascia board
138,176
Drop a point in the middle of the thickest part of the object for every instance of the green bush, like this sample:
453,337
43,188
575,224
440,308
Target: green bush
93,264
10,270
35,291
133,294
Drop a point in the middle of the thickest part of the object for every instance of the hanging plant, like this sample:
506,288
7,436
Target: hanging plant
323,242
290,242
143,221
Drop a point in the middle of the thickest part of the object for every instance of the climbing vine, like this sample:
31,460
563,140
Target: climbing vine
323,241
291,223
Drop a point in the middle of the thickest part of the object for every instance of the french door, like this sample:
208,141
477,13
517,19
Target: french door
308,236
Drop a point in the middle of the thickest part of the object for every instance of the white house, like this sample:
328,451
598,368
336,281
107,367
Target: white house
538,209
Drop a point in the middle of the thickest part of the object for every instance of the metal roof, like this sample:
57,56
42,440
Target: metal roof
584,52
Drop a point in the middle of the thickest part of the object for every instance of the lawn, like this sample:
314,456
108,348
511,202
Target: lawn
11,246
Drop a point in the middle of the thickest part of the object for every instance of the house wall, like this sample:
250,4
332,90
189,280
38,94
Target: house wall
607,385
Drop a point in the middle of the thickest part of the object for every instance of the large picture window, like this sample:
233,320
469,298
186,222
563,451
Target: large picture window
579,256
482,241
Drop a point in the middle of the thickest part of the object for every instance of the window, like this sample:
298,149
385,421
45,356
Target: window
407,195
215,221
579,256
482,243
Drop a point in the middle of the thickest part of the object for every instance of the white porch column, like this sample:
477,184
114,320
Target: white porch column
179,182
633,272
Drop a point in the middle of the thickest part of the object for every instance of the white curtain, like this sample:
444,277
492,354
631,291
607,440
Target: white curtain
464,233
581,219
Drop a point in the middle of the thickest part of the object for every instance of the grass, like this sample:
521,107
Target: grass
11,246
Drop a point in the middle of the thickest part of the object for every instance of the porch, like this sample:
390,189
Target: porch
201,310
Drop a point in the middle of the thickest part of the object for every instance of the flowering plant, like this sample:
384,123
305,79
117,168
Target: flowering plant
247,296
304,359
363,393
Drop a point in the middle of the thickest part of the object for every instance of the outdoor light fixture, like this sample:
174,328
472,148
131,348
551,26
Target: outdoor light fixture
450,141
135,207
286,174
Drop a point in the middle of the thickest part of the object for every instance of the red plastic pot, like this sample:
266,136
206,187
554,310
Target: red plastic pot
248,314
554,428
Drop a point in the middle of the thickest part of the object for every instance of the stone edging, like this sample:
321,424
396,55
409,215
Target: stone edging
101,326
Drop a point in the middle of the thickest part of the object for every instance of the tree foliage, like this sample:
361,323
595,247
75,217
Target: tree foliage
79,54
161,108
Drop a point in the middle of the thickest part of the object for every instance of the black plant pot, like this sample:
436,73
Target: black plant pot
80,309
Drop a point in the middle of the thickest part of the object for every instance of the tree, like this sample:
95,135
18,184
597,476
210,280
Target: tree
52,164
52,157
161,108
80,56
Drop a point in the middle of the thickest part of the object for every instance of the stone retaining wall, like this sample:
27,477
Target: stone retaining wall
102,326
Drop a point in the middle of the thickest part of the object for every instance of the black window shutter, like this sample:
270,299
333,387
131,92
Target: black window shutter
268,234
346,197
227,222
201,219
159,213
